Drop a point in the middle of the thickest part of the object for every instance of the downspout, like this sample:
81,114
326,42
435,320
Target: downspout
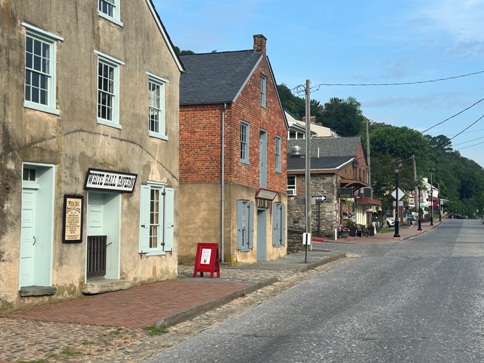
222,187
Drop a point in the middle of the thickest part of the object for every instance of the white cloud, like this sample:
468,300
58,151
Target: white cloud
461,19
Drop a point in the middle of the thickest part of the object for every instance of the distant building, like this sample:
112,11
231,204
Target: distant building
339,173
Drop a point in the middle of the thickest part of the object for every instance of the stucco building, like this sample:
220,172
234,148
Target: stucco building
232,165
88,149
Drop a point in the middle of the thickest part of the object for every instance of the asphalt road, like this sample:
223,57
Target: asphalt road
419,300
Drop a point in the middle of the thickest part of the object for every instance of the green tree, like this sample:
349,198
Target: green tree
342,116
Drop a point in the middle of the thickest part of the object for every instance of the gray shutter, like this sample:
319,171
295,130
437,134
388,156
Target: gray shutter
168,212
276,224
250,225
283,225
242,220
144,219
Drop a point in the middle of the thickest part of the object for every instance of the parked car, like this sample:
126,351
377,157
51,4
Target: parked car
390,222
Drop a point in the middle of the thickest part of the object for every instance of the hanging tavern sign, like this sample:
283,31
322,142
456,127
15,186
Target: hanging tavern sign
110,180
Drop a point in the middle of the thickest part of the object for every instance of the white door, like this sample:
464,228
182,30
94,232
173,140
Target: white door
95,215
28,240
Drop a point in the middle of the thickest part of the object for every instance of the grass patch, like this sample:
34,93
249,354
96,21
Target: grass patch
70,352
154,330
87,342
33,361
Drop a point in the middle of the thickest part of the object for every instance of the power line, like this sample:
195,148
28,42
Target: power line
465,147
399,83
468,127
466,142
451,117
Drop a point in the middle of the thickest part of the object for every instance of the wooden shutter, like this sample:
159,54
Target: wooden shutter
278,224
169,220
144,219
250,225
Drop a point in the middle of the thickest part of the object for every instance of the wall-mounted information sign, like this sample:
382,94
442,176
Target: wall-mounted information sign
73,213
110,180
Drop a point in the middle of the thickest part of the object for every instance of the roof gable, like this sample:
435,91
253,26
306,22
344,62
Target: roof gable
329,163
328,146
164,34
213,78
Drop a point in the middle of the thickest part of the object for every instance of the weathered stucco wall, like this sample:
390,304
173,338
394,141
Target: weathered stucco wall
201,220
74,141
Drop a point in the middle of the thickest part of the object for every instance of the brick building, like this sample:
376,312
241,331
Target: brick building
232,165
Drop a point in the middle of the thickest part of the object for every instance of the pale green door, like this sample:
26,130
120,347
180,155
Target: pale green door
27,238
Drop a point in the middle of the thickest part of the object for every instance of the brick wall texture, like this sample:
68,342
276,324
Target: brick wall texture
200,137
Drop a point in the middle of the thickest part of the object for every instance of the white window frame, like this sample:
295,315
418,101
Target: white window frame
291,188
115,17
244,142
159,107
263,91
278,154
114,63
46,38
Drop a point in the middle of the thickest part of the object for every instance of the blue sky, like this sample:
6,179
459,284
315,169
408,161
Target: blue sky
359,42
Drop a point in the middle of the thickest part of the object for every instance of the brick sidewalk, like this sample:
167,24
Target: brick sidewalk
137,307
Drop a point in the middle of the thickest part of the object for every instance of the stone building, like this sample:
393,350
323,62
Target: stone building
338,166
89,148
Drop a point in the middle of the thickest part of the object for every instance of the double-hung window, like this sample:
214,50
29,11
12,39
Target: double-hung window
40,69
291,185
109,9
156,219
108,90
278,154
244,142
263,91
156,110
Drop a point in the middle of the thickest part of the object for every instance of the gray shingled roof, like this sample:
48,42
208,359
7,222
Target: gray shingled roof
321,163
328,146
213,78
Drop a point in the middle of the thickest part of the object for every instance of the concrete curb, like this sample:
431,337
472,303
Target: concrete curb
215,303
321,262
212,304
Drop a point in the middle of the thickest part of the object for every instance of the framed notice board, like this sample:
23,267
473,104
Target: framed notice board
73,218
207,259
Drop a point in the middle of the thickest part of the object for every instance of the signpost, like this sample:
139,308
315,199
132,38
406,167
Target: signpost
207,259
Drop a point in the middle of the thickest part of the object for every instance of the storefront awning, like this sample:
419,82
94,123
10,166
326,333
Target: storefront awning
355,183
368,201
265,194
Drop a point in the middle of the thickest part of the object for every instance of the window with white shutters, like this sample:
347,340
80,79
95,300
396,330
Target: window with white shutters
156,219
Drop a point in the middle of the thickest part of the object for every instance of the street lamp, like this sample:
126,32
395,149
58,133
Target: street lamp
419,219
440,208
397,169
431,202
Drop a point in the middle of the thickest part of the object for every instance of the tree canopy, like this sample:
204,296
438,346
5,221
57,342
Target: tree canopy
461,180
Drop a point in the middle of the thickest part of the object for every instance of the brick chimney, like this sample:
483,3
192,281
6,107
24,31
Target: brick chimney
311,118
260,43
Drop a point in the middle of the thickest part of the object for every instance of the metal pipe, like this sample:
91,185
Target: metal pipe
222,186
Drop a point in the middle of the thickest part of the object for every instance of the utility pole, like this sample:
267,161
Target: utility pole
416,182
368,155
308,167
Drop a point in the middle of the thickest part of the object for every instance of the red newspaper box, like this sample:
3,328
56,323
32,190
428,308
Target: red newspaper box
207,259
